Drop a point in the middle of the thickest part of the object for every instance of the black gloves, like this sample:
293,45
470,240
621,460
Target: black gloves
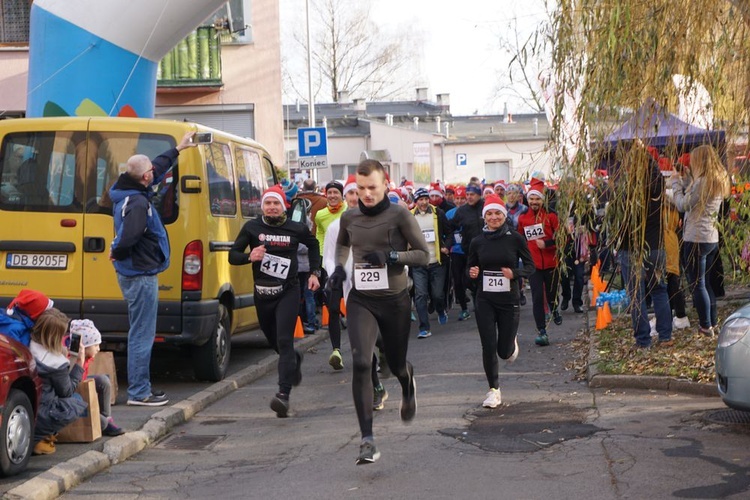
336,279
377,258
380,258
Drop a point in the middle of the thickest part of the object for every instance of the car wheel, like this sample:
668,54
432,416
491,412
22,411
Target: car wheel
17,431
211,360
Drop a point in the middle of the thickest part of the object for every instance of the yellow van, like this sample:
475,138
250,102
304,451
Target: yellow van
56,225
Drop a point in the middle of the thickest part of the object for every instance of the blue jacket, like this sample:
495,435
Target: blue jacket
141,244
17,326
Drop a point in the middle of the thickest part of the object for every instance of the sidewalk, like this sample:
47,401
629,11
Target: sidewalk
74,463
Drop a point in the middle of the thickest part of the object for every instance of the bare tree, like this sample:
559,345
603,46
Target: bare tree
351,54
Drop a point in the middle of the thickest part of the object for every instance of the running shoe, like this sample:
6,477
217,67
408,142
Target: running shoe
151,400
513,356
408,408
280,404
564,305
523,299
542,339
493,399
464,315
577,309
335,360
379,397
443,318
424,334
368,453
556,317
298,371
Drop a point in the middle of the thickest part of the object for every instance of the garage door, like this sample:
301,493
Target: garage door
237,119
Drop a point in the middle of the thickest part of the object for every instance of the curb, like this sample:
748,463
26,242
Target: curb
66,475
646,382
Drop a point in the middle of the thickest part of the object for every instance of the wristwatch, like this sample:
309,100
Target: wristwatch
393,256
316,273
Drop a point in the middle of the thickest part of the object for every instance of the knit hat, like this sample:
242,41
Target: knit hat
394,196
351,184
275,192
460,192
450,188
494,202
289,189
514,187
420,193
472,188
335,185
537,188
436,190
90,335
31,302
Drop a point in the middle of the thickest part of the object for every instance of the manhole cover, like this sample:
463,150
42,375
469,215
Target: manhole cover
192,443
523,427
728,416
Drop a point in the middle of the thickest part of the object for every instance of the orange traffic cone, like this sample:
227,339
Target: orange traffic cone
607,313
299,333
343,307
594,296
595,277
324,316
601,323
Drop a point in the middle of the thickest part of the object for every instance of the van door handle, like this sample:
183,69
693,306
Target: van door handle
93,244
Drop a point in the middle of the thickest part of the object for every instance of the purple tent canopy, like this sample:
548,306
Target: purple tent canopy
656,127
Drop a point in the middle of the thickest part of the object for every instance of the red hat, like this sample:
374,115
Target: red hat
450,188
684,160
31,302
494,202
653,152
460,192
436,189
351,184
537,188
275,192
665,164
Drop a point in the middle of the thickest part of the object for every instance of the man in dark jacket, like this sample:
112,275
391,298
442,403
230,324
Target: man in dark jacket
468,217
140,251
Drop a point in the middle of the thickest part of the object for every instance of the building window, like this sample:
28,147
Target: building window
194,61
14,25
497,170
233,22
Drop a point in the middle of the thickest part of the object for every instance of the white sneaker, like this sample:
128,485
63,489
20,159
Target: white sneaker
680,323
513,356
493,399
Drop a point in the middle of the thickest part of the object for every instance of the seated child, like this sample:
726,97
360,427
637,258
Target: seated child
60,404
91,338
17,321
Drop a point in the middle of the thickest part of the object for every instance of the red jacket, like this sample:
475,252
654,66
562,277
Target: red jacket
541,225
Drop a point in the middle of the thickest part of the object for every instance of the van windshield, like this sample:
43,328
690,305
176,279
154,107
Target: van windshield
72,171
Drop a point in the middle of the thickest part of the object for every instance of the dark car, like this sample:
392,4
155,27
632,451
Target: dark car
20,391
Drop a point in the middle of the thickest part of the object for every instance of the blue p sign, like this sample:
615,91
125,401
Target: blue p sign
461,159
312,141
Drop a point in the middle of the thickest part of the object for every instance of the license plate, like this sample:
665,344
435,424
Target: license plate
36,261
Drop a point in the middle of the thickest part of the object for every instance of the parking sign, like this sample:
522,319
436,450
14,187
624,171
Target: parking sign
312,147
462,160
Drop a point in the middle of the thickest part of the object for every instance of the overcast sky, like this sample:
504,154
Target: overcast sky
462,55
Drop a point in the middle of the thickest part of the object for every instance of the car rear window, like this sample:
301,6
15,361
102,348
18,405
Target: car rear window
72,171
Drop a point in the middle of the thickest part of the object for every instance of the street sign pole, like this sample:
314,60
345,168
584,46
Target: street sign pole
310,101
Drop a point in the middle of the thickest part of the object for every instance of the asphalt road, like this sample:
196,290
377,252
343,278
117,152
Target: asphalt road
552,438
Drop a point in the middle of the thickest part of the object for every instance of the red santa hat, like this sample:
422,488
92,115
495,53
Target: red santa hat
684,159
494,202
31,302
351,184
275,192
436,189
488,190
536,188
460,192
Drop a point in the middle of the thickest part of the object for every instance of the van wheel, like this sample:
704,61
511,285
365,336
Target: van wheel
211,360
16,433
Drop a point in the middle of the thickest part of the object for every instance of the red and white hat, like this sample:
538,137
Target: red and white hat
351,184
494,202
536,188
31,302
460,192
488,190
275,192
436,189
